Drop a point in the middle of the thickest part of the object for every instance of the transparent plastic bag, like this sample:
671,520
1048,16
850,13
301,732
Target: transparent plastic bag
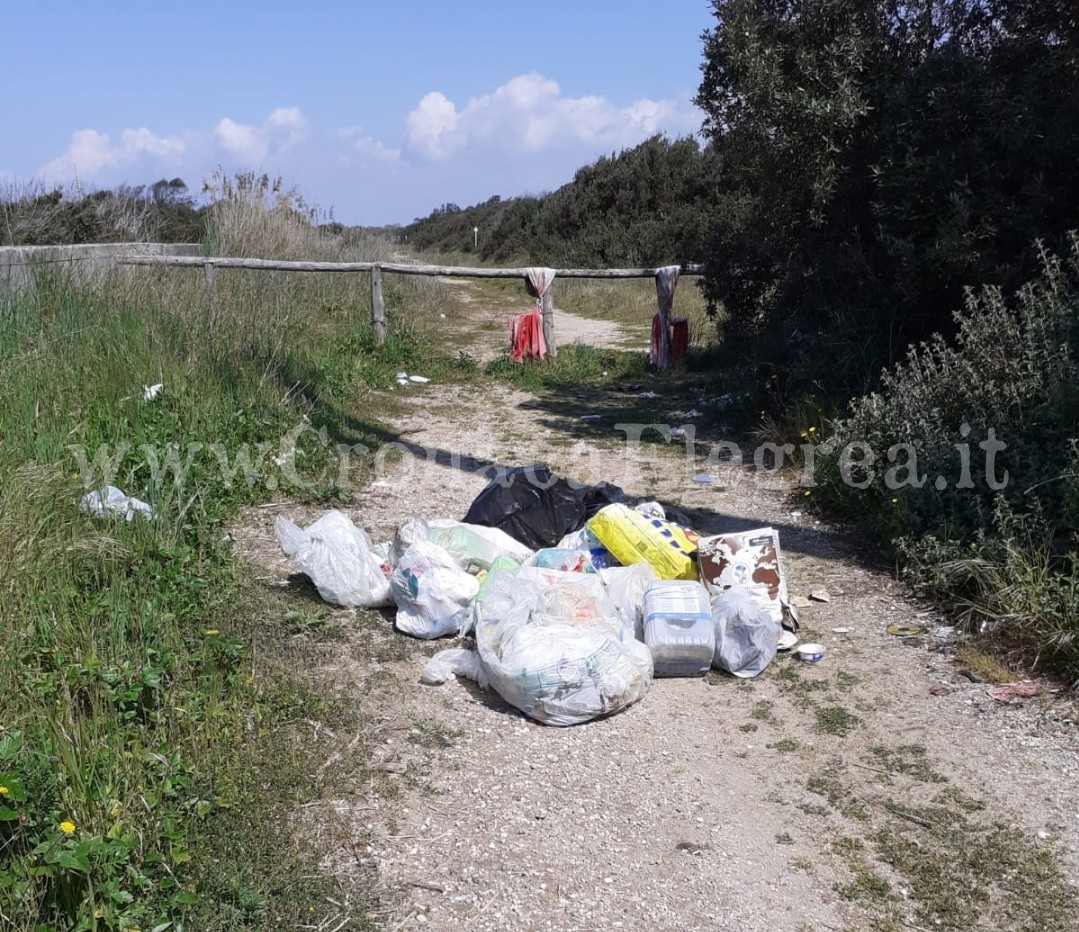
454,662
336,556
559,653
747,636
625,587
433,594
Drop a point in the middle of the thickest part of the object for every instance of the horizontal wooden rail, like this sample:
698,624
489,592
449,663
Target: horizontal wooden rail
210,265
399,268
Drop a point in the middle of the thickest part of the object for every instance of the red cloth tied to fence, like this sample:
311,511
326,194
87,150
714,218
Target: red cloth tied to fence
526,336
526,330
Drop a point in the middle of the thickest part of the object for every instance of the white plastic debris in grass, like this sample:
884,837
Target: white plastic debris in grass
112,501
150,392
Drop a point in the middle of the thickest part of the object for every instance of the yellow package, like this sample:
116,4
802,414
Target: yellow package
633,538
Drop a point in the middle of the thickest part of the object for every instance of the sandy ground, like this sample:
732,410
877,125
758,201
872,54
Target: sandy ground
711,804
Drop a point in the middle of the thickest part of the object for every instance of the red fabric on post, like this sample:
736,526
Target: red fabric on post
657,330
679,337
526,336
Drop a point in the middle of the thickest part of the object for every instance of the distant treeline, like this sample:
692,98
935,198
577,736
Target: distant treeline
648,205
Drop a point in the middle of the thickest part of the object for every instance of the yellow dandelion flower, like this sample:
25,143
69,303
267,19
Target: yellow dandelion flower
3,791
115,810
807,493
812,430
67,827
895,501
211,632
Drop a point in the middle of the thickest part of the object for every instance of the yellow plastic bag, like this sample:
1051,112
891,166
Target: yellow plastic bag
633,538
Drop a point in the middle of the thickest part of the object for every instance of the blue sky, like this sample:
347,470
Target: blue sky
381,112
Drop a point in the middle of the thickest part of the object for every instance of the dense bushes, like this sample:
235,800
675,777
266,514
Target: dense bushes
162,212
878,159
1003,542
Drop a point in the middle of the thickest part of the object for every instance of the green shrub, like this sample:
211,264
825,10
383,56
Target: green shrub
999,545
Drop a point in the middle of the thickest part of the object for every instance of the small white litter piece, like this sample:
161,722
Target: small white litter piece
112,501
419,379
648,395
150,392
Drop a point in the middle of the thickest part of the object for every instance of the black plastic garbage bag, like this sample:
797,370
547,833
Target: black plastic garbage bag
536,507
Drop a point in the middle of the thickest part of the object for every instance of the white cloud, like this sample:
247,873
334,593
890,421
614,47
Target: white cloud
91,152
282,129
367,146
529,114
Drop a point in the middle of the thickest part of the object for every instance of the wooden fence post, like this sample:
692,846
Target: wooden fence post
665,300
209,272
547,310
378,305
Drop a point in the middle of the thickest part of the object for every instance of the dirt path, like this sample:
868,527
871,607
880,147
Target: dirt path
479,321
878,789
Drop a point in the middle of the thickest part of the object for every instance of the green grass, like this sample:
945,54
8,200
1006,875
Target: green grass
154,750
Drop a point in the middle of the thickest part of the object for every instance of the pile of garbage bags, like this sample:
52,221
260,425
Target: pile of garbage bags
575,599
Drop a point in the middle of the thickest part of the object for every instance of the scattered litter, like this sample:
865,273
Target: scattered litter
112,501
787,640
820,595
678,628
904,631
420,379
944,633
677,433
840,630
705,480
150,392
648,395
800,601
591,417
811,653
1009,692
747,636
687,415
336,556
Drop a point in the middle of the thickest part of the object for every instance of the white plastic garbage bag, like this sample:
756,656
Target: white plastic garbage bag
747,636
456,661
556,652
411,532
433,594
474,546
112,501
336,556
625,588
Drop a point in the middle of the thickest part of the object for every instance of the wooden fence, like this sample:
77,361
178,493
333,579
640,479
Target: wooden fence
376,269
